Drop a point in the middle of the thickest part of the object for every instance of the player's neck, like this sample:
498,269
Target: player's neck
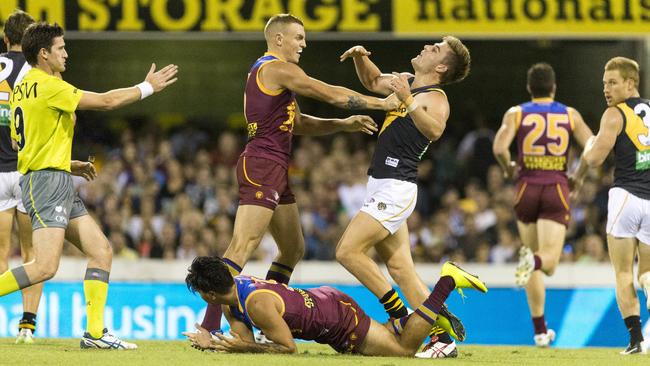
422,79
15,48
274,52
43,66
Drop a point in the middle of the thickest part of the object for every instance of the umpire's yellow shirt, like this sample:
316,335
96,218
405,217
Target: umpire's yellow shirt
42,111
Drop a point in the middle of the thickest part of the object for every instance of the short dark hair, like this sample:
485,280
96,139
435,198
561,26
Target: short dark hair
208,274
15,26
37,36
458,61
541,80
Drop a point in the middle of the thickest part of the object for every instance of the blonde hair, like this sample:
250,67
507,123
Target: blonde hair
280,19
458,62
628,68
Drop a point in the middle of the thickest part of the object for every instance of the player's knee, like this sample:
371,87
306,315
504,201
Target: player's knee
46,271
624,277
343,255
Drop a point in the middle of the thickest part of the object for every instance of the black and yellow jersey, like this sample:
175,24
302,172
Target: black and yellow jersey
13,68
400,144
632,148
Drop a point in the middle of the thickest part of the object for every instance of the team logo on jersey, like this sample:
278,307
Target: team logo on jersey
381,206
392,162
259,195
642,160
252,129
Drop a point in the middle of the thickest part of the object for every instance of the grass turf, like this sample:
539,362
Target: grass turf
178,353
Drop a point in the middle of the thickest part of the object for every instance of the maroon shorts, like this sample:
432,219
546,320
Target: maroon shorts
542,201
352,323
263,182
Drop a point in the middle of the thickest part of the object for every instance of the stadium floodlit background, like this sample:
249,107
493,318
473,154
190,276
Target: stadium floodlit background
167,191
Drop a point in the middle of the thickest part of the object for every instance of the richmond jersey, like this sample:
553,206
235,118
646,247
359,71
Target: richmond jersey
632,148
42,108
269,116
400,145
544,128
13,68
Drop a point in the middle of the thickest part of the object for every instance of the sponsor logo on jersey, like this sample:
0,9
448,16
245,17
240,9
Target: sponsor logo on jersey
643,160
381,206
392,162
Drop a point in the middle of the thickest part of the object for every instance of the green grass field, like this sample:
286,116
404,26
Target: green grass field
177,353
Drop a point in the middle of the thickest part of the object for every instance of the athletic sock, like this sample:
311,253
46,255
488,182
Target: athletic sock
95,290
539,323
633,325
431,307
393,305
212,319
233,267
538,262
28,322
13,280
279,272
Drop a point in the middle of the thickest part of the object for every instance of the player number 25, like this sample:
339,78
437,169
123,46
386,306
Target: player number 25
552,126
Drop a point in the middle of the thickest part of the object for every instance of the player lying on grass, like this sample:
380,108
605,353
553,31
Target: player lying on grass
322,314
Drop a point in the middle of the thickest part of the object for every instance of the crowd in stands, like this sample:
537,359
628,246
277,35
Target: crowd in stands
174,195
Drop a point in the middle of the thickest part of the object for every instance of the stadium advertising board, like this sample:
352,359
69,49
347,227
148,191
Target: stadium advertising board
162,311
384,18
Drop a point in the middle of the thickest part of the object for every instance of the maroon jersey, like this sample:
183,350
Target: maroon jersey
324,314
544,129
269,116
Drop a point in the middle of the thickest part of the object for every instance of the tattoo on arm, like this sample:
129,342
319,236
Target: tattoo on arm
355,102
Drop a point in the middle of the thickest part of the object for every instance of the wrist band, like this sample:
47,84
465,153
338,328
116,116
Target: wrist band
411,107
146,89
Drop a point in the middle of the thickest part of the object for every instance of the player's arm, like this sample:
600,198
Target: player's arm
582,133
502,141
597,148
153,83
279,75
369,74
428,111
237,326
305,124
264,310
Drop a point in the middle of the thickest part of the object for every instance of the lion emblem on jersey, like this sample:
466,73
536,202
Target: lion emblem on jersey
381,206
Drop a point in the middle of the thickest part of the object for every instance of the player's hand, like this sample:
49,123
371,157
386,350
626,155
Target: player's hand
391,102
232,344
358,123
574,187
162,78
83,169
356,51
511,170
400,86
201,339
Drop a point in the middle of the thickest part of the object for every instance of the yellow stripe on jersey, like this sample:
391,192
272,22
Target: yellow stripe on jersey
391,116
634,127
46,104
31,197
518,118
250,296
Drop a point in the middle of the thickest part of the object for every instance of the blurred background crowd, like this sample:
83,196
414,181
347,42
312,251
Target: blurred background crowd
172,193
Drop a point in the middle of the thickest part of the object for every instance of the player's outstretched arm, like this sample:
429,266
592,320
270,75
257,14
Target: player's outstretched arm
155,82
369,74
502,141
597,148
314,126
292,77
